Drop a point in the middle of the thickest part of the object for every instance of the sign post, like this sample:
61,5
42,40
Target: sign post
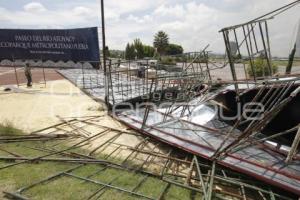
104,53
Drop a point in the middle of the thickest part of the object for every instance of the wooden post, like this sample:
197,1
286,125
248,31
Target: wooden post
16,75
44,76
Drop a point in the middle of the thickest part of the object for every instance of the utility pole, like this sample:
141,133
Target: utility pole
104,53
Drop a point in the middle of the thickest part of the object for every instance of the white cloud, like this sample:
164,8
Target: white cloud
129,6
191,23
34,7
144,19
173,11
35,15
194,24
82,11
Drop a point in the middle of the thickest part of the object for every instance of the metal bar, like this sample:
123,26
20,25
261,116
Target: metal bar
250,39
101,145
190,171
70,160
15,196
231,62
265,50
140,183
143,142
200,177
100,170
110,186
149,156
104,53
262,18
51,154
254,37
79,130
11,153
102,188
48,179
211,181
259,125
294,147
109,155
164,191
111,83
250,56
166,163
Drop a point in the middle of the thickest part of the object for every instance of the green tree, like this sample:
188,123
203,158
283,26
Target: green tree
107,52
130,52
148,51
127,51
261,68
174,49
116,54
161,42
139,48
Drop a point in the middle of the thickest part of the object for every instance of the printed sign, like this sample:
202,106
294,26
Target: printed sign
51,44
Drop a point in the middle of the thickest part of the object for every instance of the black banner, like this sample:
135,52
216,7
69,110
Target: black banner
52,44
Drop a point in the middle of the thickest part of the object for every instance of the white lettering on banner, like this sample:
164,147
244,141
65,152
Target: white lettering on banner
44,42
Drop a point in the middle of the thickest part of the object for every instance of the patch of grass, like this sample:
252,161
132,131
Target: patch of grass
178,193
106,176
7,128
152,187
117,195
86,170
261,68
26,174
168,61
127,180
20,149
65,187
284,63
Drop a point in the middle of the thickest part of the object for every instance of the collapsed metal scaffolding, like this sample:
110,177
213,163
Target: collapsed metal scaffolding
182,107
242,143
251,41
107,155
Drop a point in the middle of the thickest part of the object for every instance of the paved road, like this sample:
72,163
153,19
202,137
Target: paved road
8,77
225,73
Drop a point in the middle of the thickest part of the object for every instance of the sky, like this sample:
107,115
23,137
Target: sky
190,23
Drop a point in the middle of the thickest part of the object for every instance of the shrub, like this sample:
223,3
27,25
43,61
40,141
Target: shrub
179,59
8,129
168,61
260,65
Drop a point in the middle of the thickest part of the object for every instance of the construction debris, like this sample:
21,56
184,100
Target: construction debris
235,124
185,129
147,159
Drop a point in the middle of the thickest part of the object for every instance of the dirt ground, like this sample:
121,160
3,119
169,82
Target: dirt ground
41,106
31,109
9,77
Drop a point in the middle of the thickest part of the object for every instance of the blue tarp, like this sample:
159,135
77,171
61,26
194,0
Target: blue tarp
50,44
